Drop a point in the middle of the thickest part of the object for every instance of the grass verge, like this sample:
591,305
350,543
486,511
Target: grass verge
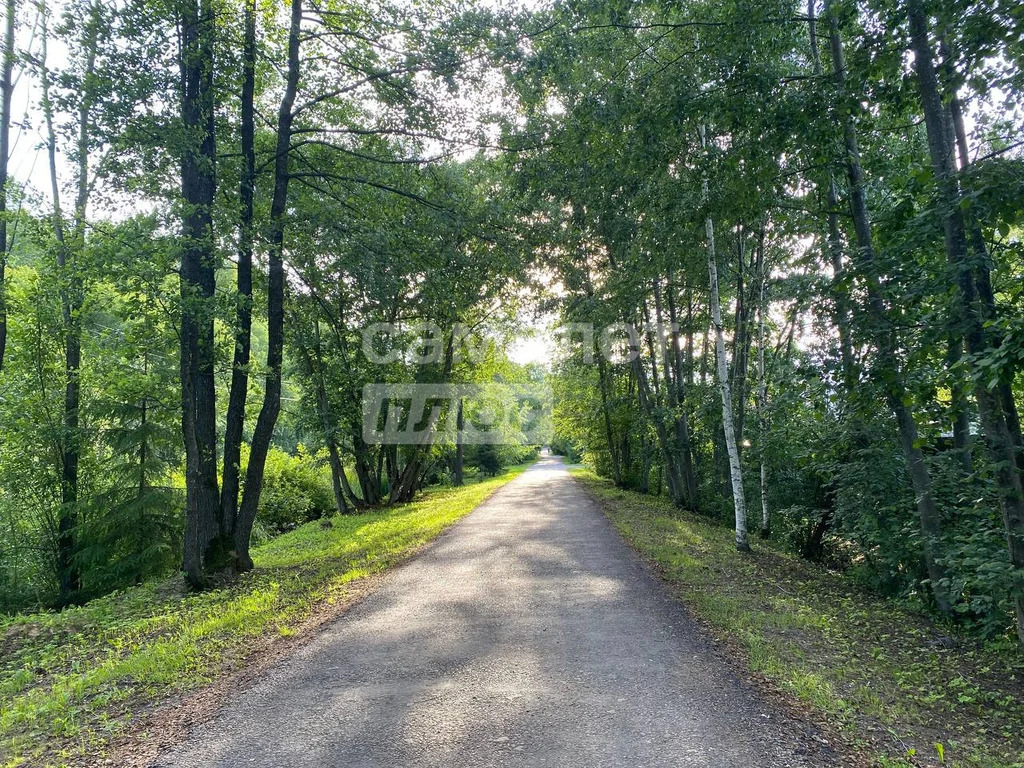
896,687
71,682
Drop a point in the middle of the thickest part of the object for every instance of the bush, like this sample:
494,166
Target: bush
563,446
296,489
491,459
488,459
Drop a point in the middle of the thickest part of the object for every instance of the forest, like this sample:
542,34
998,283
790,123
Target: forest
754,268
779,244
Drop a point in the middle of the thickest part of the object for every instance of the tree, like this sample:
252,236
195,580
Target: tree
204,547
6,91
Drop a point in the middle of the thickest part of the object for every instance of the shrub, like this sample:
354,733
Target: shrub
563,446
296,489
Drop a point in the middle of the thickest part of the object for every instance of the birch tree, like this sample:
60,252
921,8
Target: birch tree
7,56
735,467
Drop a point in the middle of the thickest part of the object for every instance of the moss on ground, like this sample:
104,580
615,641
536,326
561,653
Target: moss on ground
70,682
898,687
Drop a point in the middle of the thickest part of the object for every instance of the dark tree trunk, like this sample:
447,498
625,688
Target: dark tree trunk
958,404
983,267
266,421
369,483
198,268
840,291
71,289
314,362
407,480
1003,448
687,473
349,492
648,404
888,370
603,383
459,448
235,420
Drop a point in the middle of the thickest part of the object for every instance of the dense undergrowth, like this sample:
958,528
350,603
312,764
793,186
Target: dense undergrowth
899,687
72,682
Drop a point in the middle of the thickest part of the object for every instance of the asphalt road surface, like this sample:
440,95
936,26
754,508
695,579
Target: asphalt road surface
527,635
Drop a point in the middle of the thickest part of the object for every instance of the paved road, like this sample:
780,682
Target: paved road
528,635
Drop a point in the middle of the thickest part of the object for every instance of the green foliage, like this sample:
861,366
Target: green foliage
563,446
492,459
296,490
664,123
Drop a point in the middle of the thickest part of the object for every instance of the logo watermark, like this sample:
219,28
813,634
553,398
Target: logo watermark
428,414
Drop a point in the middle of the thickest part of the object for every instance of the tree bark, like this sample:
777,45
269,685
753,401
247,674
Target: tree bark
762,395
741,345
6,90
1002,447
369,483
958,404
266,421
459,448
604,383
406,482
70,288
983,269
735,468
198,268
315,363
834,239
682,421
235,419
888,370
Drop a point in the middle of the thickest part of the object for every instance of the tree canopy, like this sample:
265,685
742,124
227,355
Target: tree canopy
783,243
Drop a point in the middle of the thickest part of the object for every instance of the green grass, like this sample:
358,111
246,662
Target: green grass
872,667
70,682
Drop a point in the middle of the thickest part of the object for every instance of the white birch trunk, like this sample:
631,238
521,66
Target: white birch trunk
762,405
735,469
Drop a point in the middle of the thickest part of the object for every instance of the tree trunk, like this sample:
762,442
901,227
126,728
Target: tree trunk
235,419
682,421
315,364
741,346
735,469
350,493
198,268
649,406
888,369
70,288
650,400
266,421
835,238
983,271
1003,449
762,395
605,386
6,90
407,480
602,375
369,485
459,448
958,404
